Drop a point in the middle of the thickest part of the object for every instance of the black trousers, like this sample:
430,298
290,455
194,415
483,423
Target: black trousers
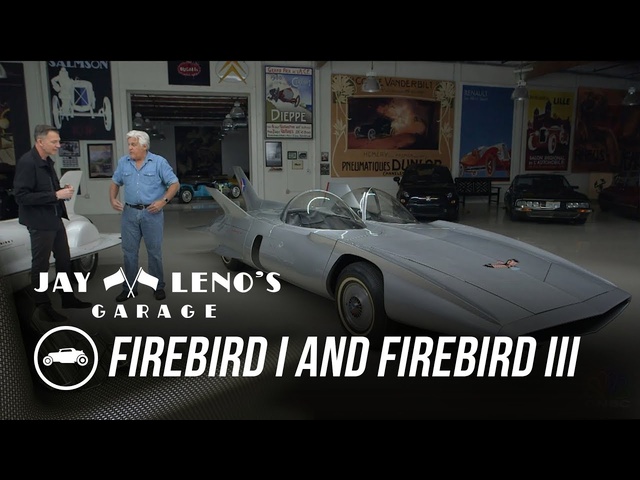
43,243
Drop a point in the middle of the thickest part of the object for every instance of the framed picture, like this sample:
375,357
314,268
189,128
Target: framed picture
302,155
297,165
324,157
69,149
274,154
292,155
100,160
324,169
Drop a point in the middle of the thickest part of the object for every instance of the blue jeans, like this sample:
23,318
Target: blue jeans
136,225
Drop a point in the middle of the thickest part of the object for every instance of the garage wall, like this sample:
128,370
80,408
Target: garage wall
151,76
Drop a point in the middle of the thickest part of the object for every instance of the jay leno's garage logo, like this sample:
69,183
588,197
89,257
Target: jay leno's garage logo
74,360
200,282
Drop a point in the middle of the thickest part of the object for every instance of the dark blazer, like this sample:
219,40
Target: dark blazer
34,185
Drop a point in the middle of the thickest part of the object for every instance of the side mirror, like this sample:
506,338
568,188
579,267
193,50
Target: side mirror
397,180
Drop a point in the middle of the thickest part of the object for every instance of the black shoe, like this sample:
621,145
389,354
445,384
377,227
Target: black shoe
48,314
159,294
73,302
124,296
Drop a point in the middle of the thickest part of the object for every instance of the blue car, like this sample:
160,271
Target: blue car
189,191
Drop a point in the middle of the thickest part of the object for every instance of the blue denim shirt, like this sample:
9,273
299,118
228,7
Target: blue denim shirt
146,185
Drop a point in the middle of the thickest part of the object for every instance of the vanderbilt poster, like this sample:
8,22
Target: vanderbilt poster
379,134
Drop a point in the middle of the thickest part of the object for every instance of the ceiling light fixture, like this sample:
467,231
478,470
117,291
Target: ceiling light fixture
228,123
521,92
236,111
371,83
138,122
631,98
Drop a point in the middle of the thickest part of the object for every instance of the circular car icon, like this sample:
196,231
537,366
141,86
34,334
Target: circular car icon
66,355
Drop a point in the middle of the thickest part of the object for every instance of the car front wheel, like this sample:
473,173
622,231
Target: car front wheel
232,264
360,302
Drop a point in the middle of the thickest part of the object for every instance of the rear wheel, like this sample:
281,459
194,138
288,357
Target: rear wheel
186,195
235,191
86,265
552,144
360,301
56,112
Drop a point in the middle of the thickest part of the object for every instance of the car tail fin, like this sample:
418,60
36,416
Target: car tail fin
251,199
72,177
229,206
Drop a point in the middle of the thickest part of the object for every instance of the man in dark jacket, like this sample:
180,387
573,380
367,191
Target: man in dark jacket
41,208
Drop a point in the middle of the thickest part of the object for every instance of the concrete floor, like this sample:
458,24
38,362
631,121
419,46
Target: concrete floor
607,379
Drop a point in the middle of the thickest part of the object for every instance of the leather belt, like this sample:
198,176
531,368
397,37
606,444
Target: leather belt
137,207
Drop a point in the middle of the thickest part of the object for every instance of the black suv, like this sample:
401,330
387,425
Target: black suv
428,191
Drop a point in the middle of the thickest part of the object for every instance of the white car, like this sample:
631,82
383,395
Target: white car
66,355
85,241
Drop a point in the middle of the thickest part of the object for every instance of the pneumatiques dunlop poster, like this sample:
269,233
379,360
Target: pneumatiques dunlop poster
486,132
378,134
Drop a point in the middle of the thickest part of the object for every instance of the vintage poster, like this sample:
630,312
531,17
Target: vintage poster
607,133
485,146
81,99
15,137
378,134
289,102
548,130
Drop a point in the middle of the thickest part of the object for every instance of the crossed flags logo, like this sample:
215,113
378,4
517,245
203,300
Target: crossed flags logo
141,277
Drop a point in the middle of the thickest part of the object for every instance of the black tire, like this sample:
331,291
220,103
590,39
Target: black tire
87,264
360,301
47,360
186,195
82,360
232,264
235,191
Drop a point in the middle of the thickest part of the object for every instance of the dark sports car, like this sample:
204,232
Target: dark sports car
546,196
428,191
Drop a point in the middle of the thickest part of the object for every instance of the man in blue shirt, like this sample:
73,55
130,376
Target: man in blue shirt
149,184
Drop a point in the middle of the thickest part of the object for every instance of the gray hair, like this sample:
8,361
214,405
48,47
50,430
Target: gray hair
42,131
143,137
